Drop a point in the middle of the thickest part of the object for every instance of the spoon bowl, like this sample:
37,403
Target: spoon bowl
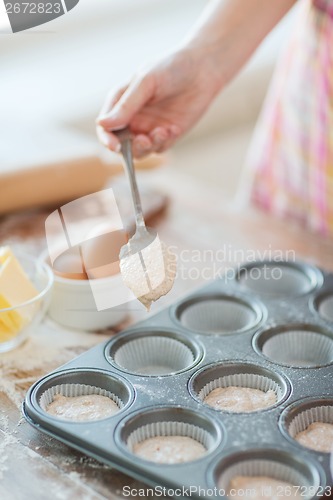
146,265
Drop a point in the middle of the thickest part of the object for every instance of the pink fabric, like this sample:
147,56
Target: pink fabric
324,5
292,152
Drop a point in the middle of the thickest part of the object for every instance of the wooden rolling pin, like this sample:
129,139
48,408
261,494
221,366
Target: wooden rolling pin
59,182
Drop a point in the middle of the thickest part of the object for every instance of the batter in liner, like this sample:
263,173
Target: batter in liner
81,408
317,436
260,488
169,449
240,399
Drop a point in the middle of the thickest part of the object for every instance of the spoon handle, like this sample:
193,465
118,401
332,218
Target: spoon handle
124,135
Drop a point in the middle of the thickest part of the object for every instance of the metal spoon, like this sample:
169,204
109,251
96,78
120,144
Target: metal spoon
147,265
142,236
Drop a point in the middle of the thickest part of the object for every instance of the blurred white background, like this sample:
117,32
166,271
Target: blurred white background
54,79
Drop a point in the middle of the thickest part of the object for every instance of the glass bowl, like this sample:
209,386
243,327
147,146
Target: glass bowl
29,314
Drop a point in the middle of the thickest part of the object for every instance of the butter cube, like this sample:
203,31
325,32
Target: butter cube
15,289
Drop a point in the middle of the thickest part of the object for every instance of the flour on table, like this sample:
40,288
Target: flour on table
49,347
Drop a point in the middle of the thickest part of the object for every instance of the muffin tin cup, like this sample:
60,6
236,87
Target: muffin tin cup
68,384
219,314
298,345
303,413
233,374
153,353
75,390
273,463
323,306
279,279
168,421
162,368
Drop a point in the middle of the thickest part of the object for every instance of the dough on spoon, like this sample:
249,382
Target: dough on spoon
151,274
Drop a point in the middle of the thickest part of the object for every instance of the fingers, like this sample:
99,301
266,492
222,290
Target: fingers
111,99
138,93
108,139
119,109
159,140
164,137
141,146
122,108
159,136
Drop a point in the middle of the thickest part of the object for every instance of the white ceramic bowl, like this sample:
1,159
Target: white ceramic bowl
73,303
83,304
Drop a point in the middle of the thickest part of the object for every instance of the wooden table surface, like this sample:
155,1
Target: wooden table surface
36,466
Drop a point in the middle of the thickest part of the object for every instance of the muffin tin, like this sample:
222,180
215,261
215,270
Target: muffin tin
266,325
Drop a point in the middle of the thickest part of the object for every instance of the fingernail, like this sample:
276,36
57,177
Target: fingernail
158,139
104,117
118,127
101,118
174,130
143,142
110,116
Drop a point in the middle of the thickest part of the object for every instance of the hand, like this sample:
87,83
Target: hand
161,104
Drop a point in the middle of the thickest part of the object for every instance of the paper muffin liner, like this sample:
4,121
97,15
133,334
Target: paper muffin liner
299,348
278,279
218,315
264,468
246,380
170,428
307,417
74,390
154,355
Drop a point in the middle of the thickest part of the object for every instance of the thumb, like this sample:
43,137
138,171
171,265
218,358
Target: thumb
133,99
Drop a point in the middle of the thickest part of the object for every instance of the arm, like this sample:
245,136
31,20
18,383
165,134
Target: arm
165,101
229,31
